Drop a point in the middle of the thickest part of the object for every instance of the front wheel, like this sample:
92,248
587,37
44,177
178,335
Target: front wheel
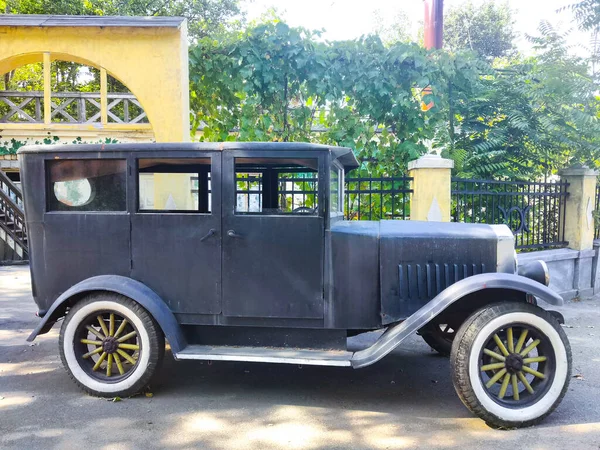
110,345
511,364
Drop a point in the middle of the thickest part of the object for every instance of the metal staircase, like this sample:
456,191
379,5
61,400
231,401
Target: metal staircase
13,234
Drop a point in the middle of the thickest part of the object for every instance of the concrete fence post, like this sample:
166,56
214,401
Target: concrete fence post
431,199
579,220
579,226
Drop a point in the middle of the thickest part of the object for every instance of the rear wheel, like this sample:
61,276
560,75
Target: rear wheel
110,345
511,364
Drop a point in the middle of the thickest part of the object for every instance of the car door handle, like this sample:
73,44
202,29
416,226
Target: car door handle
233,234
211,232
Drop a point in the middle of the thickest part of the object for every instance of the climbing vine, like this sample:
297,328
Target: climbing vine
278,83
521,117
10,147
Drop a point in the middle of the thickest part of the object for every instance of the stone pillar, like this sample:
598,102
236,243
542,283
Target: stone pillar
431,188
579,225
579,220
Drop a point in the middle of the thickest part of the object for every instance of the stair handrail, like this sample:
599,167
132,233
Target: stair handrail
13,212
11,205
16,239
11,188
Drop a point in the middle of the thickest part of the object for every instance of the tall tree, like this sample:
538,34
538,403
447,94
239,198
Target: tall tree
487,29
587,13
528,117
587,16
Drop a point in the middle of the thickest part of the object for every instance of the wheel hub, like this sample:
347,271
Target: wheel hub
514,363
110,345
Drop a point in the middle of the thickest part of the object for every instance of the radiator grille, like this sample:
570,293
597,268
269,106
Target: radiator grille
425,281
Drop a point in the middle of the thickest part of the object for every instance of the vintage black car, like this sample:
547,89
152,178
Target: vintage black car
240,252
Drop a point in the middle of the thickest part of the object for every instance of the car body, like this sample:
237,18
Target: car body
240,251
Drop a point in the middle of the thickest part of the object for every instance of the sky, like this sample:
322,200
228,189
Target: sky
348,19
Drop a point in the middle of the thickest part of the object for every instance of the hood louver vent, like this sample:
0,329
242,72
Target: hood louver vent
425,281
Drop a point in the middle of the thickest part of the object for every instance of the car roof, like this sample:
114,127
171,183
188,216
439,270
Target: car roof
343,154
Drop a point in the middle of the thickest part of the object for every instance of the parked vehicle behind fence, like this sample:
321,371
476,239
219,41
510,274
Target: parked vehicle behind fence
240,252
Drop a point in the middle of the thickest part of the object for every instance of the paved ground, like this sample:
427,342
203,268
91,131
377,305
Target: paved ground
404,401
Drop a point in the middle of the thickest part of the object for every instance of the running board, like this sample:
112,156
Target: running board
267,355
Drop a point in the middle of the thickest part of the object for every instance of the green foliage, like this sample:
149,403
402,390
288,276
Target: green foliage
205,17
277,83
587,16
523,117
487,29
587,13
528,117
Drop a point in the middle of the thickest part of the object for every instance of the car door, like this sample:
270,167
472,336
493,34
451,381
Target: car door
176,229
273,234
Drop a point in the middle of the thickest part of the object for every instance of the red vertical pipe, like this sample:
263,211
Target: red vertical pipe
434,23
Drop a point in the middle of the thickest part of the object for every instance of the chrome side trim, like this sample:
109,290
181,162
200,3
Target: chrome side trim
266,355
264,359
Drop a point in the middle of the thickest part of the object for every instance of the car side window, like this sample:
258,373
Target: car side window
170,185
276,186
86,185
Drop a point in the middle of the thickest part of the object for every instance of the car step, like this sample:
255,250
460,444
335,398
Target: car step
266,355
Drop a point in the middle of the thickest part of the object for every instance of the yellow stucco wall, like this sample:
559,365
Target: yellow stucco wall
152,62
173,191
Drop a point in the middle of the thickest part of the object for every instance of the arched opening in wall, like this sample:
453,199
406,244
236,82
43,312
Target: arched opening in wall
75,93
21,94
76,96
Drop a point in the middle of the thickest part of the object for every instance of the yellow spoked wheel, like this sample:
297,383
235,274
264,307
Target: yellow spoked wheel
511,364
517,364
110,346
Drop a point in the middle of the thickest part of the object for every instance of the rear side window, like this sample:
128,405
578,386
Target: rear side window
87,185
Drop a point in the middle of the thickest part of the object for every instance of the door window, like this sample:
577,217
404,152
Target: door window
276,186
174,185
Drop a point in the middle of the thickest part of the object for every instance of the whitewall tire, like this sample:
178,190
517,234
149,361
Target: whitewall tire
511,364
110,345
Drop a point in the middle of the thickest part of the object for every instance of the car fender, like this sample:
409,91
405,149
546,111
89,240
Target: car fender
394,335
128,287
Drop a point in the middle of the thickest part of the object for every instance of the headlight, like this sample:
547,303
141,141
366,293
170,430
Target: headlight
537,271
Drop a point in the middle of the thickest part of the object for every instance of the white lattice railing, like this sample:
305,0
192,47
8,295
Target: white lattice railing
70,107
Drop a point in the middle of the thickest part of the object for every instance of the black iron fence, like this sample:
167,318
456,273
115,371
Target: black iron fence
377,198
366,198
534,211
